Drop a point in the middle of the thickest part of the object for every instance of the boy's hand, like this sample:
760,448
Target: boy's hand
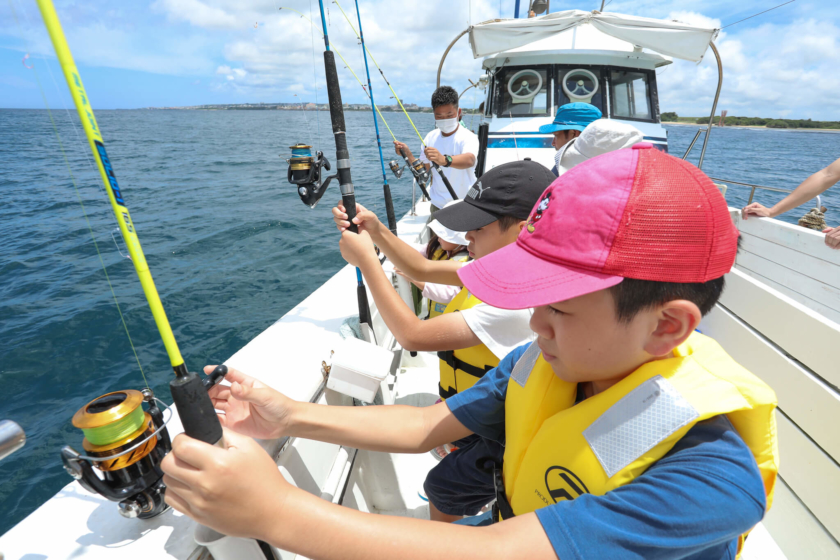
756,209
237,490
434,155
365,219
832,237
357,249
251,407
404,147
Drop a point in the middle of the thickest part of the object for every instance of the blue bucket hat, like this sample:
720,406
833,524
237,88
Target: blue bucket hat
572,116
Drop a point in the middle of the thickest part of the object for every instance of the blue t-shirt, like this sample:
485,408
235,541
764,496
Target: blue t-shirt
693,503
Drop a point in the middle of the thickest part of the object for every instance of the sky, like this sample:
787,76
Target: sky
155,53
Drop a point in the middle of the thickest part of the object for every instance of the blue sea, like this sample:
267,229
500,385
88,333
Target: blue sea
227,239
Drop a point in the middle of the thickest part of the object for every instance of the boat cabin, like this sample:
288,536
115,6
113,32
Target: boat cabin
527,84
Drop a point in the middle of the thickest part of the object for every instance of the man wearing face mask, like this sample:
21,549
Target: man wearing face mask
450,145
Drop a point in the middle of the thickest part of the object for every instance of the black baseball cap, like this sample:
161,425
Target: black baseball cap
511,189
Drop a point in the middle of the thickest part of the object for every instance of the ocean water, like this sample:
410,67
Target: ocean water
228,242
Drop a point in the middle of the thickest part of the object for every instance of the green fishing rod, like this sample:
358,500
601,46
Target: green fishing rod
389,205
397,97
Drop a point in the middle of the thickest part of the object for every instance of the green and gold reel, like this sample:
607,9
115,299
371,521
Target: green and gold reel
126,444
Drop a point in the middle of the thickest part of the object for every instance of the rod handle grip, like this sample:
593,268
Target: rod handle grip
195,409
349,201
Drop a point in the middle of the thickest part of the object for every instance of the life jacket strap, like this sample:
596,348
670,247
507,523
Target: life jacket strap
448,356
501,509
446,393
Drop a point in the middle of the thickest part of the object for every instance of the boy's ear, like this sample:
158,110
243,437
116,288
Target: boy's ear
522,224
675,321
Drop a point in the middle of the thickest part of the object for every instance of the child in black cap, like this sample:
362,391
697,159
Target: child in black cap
470,337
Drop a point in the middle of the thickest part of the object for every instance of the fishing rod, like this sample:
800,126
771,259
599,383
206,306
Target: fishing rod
418,170
389,205
342,155
397,97
122,440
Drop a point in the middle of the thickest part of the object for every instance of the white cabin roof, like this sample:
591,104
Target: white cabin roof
579,44
577,31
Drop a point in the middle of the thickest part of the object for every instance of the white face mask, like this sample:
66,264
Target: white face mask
446,125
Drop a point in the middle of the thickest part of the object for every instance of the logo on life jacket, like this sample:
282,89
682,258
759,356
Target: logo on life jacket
563,484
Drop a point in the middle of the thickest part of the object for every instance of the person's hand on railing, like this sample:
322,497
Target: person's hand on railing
832,237
756,209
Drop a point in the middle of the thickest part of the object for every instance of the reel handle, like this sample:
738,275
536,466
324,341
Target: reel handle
217,375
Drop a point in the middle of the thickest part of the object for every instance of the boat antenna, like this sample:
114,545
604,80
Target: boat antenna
189,393
397,97
389,204
342,156
759,13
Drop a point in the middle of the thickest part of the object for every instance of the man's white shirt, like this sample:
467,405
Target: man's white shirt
462,141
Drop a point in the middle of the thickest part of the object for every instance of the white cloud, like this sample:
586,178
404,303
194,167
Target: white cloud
197,13
224,70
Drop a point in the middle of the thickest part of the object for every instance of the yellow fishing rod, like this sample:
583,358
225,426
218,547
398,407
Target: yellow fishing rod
189,393
397,97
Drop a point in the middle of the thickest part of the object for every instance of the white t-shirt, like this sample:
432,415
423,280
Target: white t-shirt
501,330
462,141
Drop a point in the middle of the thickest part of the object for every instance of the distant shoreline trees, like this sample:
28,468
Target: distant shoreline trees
753,121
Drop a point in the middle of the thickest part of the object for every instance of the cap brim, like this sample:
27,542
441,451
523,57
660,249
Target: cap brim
447,234
464,217
547,128
514,278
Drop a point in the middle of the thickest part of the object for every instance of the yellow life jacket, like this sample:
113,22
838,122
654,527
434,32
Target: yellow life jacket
556,450
461,369
435,307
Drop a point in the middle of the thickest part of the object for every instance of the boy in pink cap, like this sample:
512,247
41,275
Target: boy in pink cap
627,433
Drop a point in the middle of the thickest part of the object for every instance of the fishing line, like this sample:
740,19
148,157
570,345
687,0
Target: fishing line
433,165
397,97
82,205
314,74
759,13
346,65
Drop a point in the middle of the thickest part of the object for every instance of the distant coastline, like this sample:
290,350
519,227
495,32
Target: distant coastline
410,107
756,127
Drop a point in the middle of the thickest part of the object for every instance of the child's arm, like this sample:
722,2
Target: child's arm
253,409
403,255
445,332
240,492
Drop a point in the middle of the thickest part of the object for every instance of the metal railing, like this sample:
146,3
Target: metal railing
752,187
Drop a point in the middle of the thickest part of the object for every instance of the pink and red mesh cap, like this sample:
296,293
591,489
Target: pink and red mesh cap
633,213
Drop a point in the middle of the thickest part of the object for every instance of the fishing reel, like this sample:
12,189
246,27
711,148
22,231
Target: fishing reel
395,167
126,444
421,174
305,172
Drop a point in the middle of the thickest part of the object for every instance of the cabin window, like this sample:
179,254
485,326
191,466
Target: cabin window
523,91
630,95
578,80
